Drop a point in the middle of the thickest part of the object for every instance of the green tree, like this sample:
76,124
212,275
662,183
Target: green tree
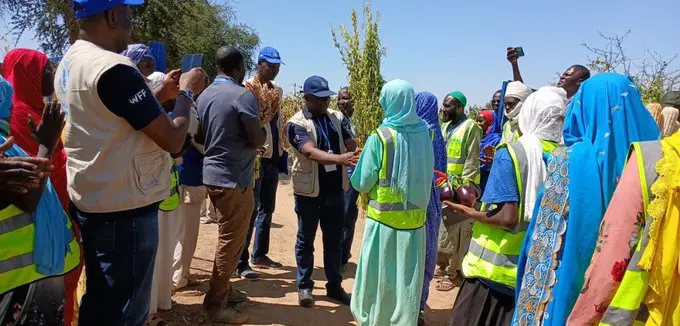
361,52
185,26
654,74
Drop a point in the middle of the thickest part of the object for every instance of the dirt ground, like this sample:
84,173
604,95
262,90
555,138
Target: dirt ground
273,298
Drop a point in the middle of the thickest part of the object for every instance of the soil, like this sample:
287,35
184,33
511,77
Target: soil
272,300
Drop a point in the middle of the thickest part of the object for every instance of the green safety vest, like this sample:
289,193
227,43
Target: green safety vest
171,203
494,252
510,132
456,144
386,204
17,234
627,307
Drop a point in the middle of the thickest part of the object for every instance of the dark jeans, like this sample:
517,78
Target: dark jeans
119,261
351,213
261,220
326,210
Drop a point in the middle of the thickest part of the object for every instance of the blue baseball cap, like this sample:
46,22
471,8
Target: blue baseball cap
87,8
270,55
317,86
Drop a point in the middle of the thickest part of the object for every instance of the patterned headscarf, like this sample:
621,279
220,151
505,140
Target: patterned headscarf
137,52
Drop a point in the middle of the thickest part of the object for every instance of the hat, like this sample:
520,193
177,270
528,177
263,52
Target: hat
460,97
317,86
270,55
87,8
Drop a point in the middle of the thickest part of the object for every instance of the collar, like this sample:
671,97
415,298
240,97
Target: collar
308,115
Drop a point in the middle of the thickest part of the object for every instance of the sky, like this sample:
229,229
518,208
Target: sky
441,46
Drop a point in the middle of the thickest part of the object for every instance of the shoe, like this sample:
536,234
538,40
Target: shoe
236,296
264,262
305,298
421,318
228,316
340,295
248,274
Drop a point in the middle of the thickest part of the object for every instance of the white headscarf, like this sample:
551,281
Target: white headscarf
519,91
541,118
670,121
155,79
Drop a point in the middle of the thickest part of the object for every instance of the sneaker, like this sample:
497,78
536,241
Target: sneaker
228,316
236,296
264,262
305,298
340,295
248,274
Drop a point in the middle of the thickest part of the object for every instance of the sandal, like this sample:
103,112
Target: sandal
445,285
438,272
156,321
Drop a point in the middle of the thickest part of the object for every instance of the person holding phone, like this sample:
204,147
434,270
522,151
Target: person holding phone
117,139
323,147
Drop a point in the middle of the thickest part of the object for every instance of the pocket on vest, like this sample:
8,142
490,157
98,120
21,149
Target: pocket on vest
151,171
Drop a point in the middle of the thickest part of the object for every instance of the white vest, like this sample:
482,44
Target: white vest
305,172
111,167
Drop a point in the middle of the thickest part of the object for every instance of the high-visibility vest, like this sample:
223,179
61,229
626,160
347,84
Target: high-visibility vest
494,252
510,131
171,203
627,307
456,144
386,204
17,233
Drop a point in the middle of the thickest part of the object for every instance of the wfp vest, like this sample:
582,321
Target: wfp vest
305,172
494,252
386,204
627,307
456,145
510,132
171,203
17,234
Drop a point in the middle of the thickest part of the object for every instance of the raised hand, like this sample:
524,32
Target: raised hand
168,90
21,174
48,132
193,80
512,55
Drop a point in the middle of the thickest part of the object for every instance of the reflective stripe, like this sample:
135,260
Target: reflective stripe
15,222
391,207
623,317
460,160
384,183
389,144
16,262
491,257
635,259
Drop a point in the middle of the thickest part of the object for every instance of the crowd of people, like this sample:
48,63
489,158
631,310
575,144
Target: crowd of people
576,222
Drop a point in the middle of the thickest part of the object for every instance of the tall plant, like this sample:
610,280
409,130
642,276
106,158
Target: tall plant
361,52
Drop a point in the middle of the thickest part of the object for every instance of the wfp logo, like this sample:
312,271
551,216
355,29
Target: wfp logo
138,97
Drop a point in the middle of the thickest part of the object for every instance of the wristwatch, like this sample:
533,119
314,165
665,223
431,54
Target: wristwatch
187,93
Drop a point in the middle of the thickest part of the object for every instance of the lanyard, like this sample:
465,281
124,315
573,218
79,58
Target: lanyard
323,128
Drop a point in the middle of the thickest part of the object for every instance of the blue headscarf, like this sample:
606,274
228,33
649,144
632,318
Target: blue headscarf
428,110
51,233
137,52
413,165
604,118
5,104
490,138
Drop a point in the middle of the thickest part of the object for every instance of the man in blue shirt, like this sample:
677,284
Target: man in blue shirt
346,106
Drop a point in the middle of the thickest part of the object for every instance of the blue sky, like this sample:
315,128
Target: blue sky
440,46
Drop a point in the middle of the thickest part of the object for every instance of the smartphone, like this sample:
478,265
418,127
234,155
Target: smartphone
520,51
191,61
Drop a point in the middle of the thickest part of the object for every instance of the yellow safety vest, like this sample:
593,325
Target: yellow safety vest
17,233
494,252
386,204
510,132
627,307
456,144
171,203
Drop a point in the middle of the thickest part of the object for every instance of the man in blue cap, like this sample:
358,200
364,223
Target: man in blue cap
323,147
117,138
272,161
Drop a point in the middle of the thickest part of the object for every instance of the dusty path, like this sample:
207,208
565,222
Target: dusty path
273,298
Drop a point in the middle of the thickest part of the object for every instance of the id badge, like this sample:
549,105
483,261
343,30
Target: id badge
331,167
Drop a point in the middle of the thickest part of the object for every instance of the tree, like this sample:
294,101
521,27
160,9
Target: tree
185,26
654,74
362,61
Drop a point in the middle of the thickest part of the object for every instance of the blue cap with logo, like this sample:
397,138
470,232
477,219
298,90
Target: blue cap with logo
317,86
270,55
87,8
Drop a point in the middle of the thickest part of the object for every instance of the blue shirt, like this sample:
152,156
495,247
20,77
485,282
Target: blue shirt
191,170
326,139
502,184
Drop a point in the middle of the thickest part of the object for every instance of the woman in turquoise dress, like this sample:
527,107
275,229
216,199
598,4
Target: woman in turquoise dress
604,118
389,279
